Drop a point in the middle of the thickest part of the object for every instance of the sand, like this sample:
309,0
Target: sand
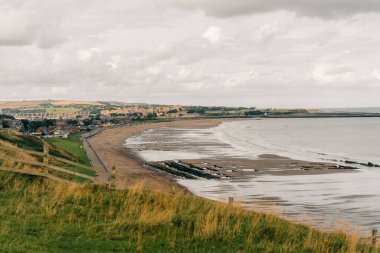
130,170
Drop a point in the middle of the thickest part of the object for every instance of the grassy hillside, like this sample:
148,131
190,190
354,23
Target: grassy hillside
71,145
38,215
33,143
69,149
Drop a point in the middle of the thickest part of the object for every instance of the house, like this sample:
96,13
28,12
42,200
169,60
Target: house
61,134
42,130
97,122
107,124
83,128
74,130
61,123
15,125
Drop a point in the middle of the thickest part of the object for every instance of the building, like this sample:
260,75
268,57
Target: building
74,130
42,130
15,125
61,134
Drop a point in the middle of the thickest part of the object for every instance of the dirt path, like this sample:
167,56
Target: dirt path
101,169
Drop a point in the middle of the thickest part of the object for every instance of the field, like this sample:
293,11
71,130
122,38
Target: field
50,106
62,110
65,103
45,216
73,146
21,104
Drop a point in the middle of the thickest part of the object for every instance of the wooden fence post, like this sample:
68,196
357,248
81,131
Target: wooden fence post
374,237
46,157
230,200
113,171
113,176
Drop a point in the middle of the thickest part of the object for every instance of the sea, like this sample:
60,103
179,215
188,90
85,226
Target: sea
349,201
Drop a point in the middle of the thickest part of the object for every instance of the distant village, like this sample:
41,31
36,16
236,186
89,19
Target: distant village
47,119
51,125
47,128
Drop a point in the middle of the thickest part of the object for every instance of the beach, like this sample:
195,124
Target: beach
130,169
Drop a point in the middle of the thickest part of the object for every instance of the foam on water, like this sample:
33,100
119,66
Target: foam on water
321,139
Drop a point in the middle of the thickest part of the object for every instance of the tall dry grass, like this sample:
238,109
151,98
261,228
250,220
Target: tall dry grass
138,220
15,154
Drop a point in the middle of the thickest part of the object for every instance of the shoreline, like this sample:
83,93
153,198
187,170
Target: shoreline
130,169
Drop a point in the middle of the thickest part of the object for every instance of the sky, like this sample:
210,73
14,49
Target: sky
263,53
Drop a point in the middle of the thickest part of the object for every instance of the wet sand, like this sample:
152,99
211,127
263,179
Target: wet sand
267,164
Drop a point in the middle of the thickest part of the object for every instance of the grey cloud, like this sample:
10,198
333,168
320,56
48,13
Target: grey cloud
186,51
147,51
329,9
28,23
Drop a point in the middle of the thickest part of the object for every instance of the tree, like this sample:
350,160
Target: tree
72,122
253,113
48,122
172,111
5,124
87,122
25,124
199,110
4,116
151,115
34,125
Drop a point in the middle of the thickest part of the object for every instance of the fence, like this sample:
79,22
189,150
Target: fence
44,168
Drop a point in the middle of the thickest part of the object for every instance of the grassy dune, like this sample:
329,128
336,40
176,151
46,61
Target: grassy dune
38,215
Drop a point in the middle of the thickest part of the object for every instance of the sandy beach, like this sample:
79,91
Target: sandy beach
130,169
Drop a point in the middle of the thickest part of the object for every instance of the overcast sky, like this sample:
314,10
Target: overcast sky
265,53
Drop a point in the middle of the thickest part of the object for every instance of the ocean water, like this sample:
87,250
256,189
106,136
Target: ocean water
353,110
325,201
315,139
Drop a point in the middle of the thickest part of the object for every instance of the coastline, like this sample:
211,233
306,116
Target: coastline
255,183
130,169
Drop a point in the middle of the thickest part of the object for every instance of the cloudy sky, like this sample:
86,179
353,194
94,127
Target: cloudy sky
265,53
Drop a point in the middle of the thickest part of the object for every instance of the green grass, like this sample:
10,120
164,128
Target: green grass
37,215
22,141
72,145
33,143
69,149
74,168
